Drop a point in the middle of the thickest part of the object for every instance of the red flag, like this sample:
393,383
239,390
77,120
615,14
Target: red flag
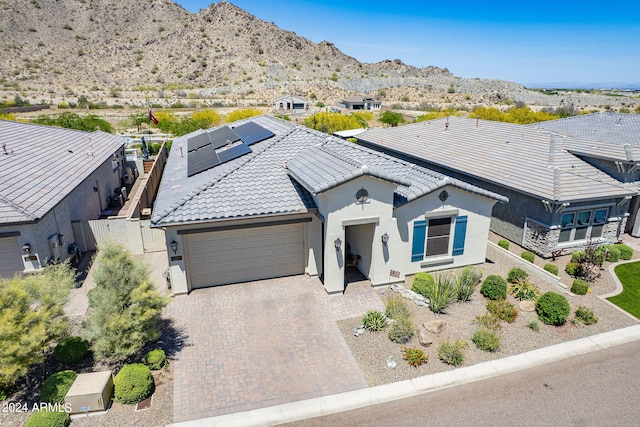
152,117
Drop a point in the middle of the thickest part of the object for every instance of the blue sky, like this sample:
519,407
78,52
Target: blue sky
525,42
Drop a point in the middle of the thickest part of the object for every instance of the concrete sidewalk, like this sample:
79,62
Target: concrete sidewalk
326,405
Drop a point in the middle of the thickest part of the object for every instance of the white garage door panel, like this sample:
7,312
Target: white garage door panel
223,257
10,261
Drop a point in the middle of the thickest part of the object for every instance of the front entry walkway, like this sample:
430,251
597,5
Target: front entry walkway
264,343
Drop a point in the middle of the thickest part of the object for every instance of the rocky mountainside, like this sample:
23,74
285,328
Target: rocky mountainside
124,51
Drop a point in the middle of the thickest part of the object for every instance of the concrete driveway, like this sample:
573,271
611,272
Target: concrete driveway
264,343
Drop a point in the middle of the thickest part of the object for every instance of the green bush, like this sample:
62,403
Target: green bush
575,269
494,287
422,282
442,293
452,352
401,330
503,310
397,307
585,315
71,351
614,253
551,268
504,244
55,388
534,326
528,256
515,274
486,340
156,359
524,290
552,308
469,279
374,320
579,287
578,257
48,419
133,384
626,252
414,356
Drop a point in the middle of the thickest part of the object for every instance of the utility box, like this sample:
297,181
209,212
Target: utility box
90,392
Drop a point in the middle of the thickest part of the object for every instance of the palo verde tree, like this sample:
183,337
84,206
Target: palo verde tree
392,119
31,318
90,122
333,122
125,306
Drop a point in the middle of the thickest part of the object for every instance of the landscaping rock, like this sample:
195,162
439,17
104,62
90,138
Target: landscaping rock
527,305
424,338
358,331
408,294
391,363
436,326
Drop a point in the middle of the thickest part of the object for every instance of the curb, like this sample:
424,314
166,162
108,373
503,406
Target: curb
347,401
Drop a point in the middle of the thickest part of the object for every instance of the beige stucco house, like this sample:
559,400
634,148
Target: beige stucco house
262,198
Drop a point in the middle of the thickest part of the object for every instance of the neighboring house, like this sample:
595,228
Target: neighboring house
616,150
290,103
50,178
558,201
262,198
361,103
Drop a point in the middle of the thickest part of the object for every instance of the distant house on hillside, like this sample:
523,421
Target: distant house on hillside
290,103
361,103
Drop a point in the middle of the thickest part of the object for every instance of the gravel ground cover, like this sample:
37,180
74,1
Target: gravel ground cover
372,349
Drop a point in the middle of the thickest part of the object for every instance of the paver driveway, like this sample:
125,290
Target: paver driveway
264,343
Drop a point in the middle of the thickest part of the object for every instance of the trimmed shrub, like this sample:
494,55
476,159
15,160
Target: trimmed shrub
613,253
578,256
504,244
585,315
422,282
515,274
524,290
374,320
469,279
575,269
71,351
414,356
579,287
503,310
55,388
401,330
48,419
133,384
442,293
486,340
156,359
552,308
551,268
494,287
534,326
528,256
626,252
397,307
452,352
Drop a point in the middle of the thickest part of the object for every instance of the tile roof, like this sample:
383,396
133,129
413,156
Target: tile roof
42,165
523,158
265,182
611,136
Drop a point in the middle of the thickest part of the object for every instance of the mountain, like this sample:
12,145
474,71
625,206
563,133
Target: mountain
129,51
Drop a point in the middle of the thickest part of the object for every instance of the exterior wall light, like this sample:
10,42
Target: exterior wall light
385,239
26,249
337,243
174,246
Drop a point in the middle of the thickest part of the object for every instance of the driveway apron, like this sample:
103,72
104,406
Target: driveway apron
264,343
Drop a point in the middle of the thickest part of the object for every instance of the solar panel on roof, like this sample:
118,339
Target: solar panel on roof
198,141
222,136
201,160
233,153
250,133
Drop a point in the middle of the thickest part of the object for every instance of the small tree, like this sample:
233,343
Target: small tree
392,119
125,307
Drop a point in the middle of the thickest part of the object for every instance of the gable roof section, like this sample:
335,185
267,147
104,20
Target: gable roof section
522,158
610,136
279,174
44,164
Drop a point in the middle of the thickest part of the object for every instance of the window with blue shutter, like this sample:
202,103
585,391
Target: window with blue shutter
459,236
419,234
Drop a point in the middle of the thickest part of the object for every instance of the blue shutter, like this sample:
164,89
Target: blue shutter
459,235
419,233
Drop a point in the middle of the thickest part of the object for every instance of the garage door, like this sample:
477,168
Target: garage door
223,257
10,260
